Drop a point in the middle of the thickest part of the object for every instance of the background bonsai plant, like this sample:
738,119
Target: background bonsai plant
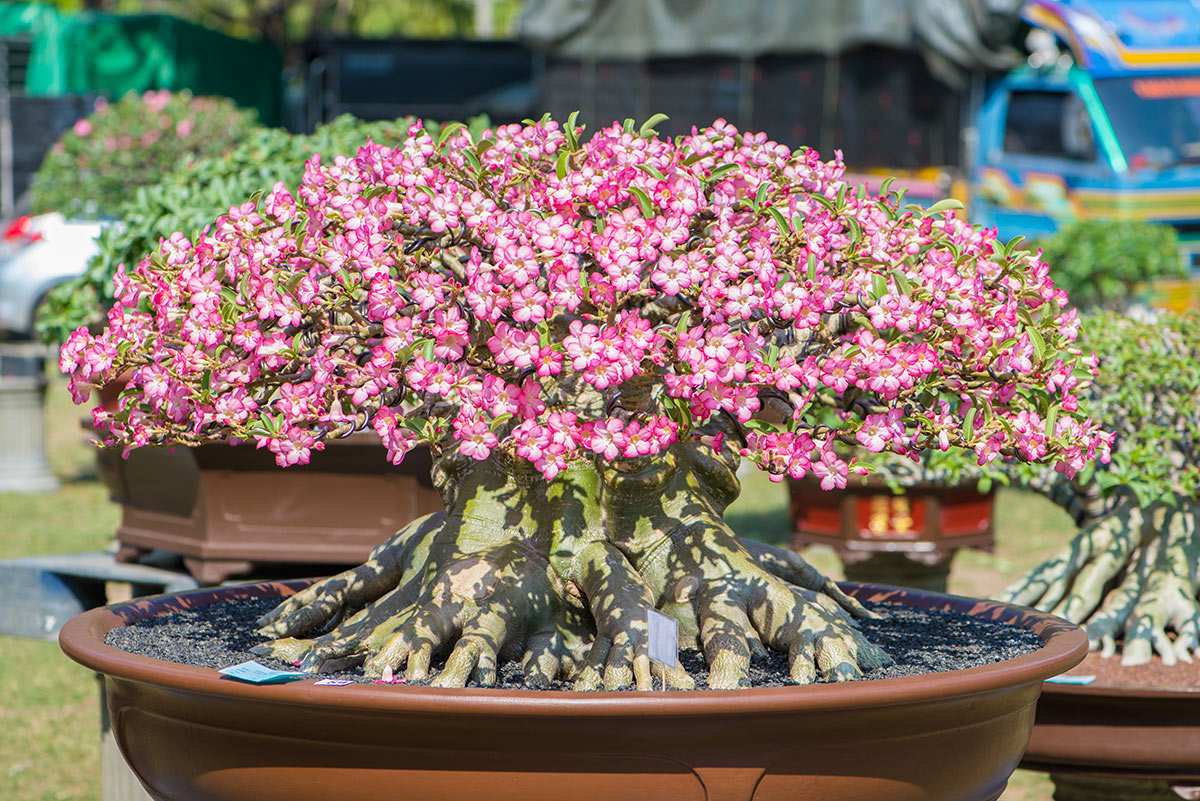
1132,573
190,195
586,335
1100,263
106,157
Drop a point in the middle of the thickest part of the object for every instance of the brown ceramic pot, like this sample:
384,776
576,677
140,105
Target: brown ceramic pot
927,521
1138,722
231,510
905,539
228,510
191,735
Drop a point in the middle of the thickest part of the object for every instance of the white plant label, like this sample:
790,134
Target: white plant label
664,638
332,682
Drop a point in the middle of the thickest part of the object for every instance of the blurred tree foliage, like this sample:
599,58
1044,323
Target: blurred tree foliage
1102,262
288,22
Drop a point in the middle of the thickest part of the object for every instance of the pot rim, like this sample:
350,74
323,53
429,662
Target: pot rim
1063,646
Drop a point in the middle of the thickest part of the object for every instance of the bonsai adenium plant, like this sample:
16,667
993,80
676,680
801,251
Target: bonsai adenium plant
589,335
95,167
1131,575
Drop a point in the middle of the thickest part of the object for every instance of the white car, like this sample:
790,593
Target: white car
37,254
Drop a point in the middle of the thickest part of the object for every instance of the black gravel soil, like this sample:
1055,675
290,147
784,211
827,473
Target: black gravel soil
919,641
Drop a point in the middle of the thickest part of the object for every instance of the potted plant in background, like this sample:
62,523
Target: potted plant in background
88,173
227,511
903,524
585,334
131,143
1130,575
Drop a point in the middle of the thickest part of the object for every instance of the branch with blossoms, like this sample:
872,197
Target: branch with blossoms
589,335
453,289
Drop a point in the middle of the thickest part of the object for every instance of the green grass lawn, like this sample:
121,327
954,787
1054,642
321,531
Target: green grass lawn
49,713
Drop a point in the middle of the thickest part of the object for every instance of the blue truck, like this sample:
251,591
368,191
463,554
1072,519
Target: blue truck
1103,122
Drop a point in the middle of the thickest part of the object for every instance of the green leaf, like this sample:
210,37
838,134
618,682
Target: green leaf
779,220
684,320
761,194
1012,246
1051,420
812,267
720,171
643,200
855,230
1039,344
628,126
651,171
449,130
824,201
560,169
968,429
569,131
647,129
901,281
947,204
880,286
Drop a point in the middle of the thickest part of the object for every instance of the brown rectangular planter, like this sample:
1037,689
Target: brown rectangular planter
228,510
868,517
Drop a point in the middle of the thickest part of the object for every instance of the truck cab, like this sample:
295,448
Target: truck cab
1110,130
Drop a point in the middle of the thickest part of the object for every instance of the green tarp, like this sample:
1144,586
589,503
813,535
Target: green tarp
113,54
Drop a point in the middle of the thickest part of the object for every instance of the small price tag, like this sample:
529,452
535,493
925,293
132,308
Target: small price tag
664,638
1071,679
332,683
256,673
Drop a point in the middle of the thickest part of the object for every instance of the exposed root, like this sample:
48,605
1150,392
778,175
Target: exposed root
1131,579
561,577
324,603
667,517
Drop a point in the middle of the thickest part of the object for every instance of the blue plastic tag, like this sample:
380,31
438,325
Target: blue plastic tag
255,673
1071,679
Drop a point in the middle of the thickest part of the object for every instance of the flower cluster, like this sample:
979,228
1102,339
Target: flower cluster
191,196
97,165
557,299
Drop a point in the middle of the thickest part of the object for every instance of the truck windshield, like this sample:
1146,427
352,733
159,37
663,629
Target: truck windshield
1156,120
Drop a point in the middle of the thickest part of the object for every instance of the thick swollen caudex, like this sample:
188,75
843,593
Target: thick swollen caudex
585,306
554,592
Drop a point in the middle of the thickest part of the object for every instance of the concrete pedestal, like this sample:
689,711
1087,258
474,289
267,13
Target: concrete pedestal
117,781
23,466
